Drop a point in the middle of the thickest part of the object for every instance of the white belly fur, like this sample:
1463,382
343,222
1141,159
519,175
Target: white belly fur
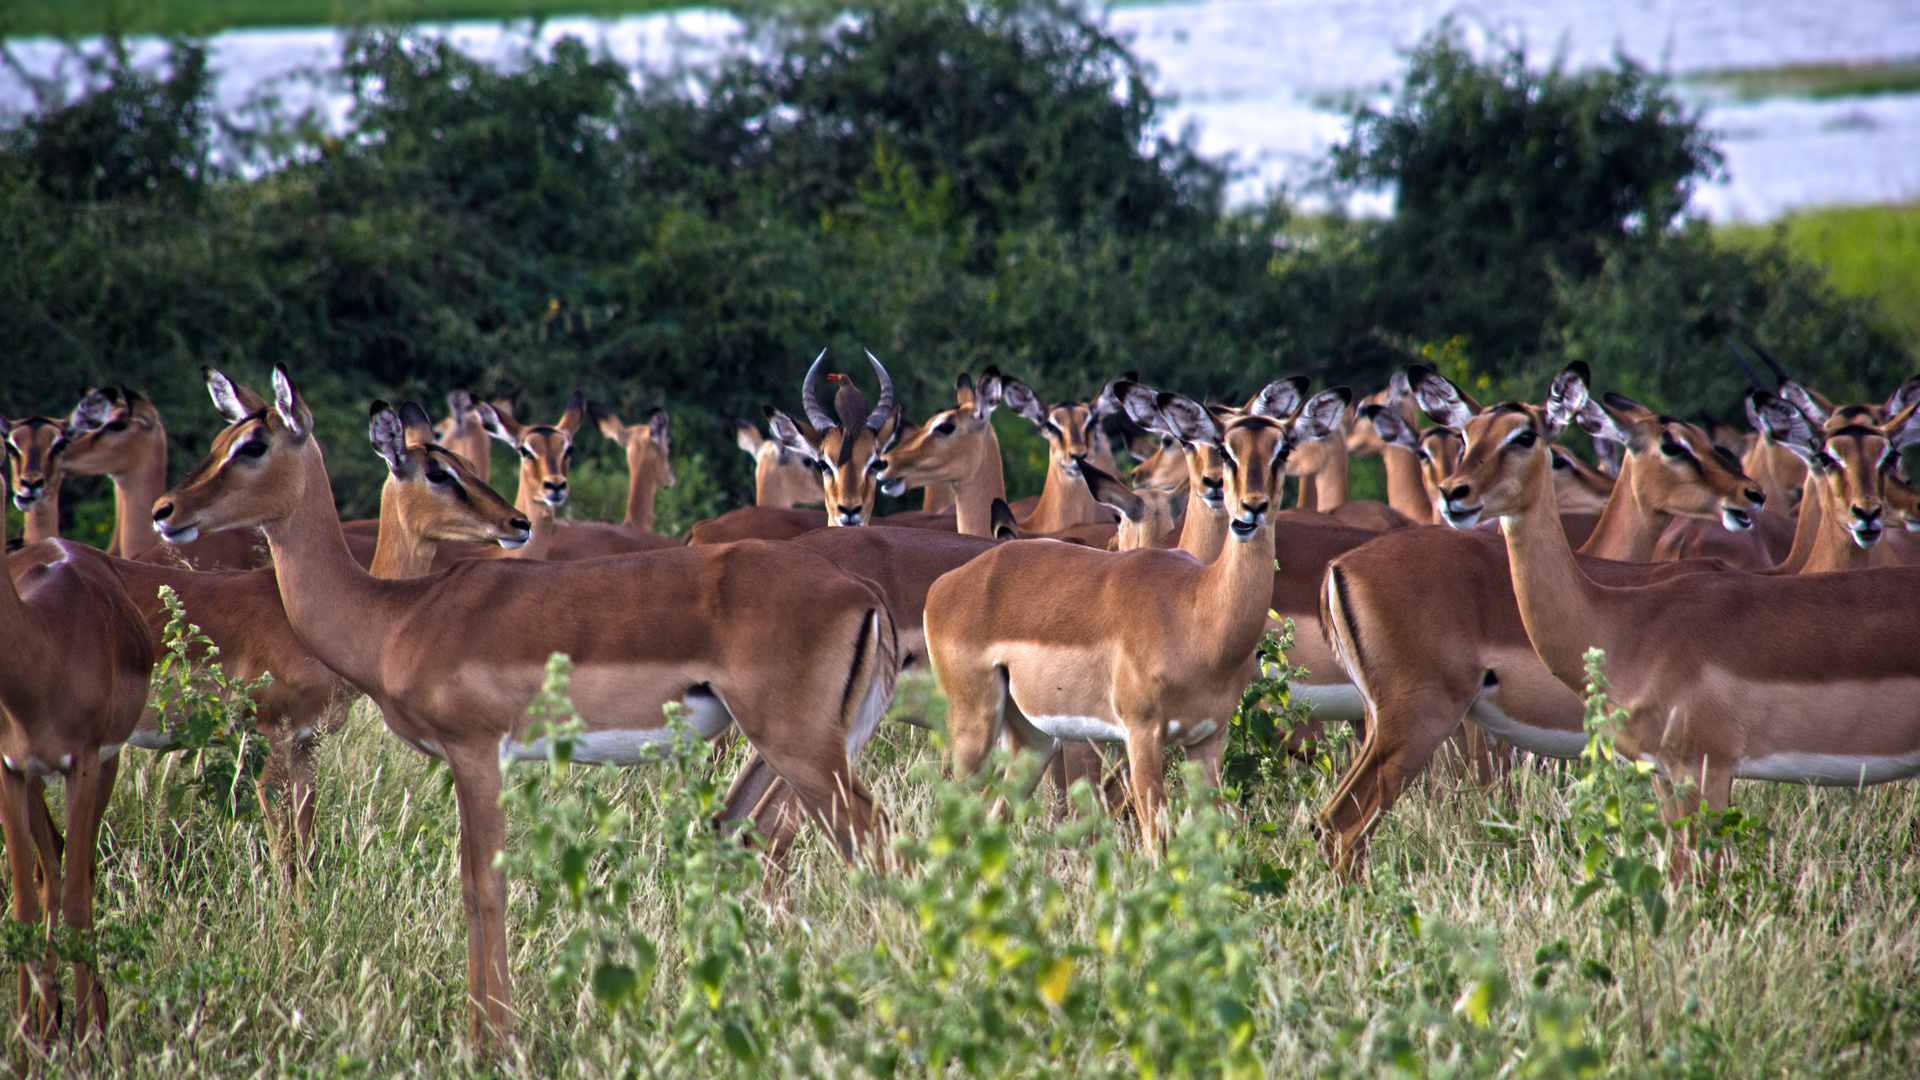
1830,770
1546,742
705,714
1338,703
1080,728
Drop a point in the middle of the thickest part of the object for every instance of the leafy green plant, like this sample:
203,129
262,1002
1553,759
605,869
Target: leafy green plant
204,710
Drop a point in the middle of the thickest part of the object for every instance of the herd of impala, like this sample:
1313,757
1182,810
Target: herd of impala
1748,590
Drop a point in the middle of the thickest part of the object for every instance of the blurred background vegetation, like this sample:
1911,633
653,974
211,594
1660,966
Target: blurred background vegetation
947,184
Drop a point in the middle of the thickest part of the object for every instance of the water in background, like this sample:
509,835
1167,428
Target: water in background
1262,81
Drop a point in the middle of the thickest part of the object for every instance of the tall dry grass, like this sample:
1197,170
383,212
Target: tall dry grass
1800,960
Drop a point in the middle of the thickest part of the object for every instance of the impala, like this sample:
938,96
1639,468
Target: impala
781,478
1050,641
766,636
1798,679
34,446
546,453
847,452
73,682
117,433
432,495
648,468
956,449
465,433
1072,431
1428,648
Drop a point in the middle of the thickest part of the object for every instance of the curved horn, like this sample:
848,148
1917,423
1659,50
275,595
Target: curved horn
810,401
879,414
1747,366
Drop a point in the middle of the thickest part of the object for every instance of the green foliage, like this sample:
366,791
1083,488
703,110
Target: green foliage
204,710
1262,748
1503,175
1867,251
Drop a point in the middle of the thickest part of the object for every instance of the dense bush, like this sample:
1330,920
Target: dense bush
947,184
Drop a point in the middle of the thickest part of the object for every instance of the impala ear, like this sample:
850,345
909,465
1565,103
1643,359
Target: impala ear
1906,394
1280,398
226,396
1021,399
1903,429
1566,397
93,412
1138,403
289,405
388,433
1189,421
657,428
1797,396
418,425
1000,518
788,434
888,431
500,425
1320,417
576,409
1609,452
1786,424
988,392
1392,428
1608,421
608,423
1109,490
1440,399
746,436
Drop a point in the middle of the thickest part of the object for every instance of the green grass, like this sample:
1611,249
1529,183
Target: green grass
210,16
1868,251
1803,966
1815,80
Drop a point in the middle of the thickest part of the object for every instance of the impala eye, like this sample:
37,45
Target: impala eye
252,449
117,425
526,453
944,429
1524,440
440,476
1674,449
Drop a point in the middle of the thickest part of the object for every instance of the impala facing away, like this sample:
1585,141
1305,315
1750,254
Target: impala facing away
1798,679
1050,641
73,682
768,636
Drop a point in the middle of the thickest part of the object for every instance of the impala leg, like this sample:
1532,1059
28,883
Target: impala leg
36,1014
483,826
1403,732
302,770
89,783
47,841
1146,752
273,786
1691,784
973,714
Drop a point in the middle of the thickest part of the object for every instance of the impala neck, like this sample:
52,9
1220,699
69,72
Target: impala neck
134,493
1832,546
1231,605
400,552
1628,529
344,614
640,494
1326,487
1204,532
1406,492
1064,500
974,493
1777,471
535,549
1556,598
43,521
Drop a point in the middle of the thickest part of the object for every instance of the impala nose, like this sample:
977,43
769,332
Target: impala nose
556,492
848,515
1755,496
1457,493
28,491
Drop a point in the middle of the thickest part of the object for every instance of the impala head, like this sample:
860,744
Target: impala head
1676,469
780,476
255,472
465,433
1436,449
1847,459
1903,501
433,490
1160,464
1578,487
1254,447
647,447
1070,428
950,444
35,447
1146,514
1206,469
546,450
112,431
1504,446
847,449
